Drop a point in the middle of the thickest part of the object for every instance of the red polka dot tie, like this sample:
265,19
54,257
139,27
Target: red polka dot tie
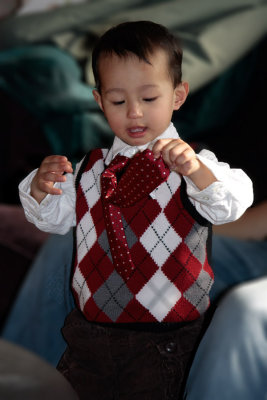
139,176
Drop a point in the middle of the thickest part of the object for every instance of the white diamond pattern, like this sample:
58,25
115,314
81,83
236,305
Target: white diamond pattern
165,191
90,182
80,288
159,295
160,239
86,235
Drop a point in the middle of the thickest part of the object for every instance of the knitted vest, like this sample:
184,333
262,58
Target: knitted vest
169,243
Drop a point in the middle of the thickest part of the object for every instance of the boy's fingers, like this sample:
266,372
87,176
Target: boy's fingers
46,183
55,158
54,191
56,167
186,155
176,153
166,146
48,187
53,177
158,146
171,151
56,163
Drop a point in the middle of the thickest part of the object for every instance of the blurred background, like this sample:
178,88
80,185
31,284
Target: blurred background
46,104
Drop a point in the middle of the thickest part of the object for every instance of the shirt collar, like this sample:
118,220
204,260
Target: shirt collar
124,149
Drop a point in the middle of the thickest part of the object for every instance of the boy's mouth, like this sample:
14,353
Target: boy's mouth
136,131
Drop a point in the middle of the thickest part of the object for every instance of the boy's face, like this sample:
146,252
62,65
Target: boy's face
138,98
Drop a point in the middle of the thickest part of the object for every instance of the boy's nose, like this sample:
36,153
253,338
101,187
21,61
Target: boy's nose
134,111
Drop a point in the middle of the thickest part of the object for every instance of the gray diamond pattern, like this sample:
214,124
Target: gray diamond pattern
196,240
129,234
193,294
103,242
113,296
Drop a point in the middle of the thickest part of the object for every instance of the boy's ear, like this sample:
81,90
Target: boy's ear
98,98
181,92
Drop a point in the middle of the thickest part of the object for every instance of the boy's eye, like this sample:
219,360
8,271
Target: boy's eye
150,99
117,103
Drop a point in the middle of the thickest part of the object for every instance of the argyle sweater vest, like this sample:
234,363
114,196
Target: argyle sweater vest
169,244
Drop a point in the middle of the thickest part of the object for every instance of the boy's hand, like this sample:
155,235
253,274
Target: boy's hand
181,158
51,170
178,155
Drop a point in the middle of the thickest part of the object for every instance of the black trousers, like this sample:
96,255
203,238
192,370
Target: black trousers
112,363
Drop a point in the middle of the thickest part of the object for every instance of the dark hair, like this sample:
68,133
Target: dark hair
140,38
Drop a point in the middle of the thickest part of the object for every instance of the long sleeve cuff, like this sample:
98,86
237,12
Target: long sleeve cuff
56,213
226,199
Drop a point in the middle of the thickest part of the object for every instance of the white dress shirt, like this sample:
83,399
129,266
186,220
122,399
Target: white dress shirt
223,201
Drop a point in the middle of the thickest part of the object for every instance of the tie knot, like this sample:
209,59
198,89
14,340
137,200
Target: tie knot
127,181
116,165
109,178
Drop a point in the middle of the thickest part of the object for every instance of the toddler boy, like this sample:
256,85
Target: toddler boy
143,212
